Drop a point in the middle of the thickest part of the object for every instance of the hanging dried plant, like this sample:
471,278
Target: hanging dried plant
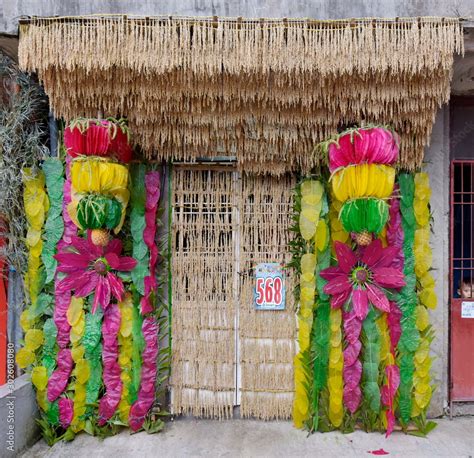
23,117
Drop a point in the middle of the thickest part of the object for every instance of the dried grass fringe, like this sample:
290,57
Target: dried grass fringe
265,91
205,302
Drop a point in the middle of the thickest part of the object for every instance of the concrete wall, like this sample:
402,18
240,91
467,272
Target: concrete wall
437,166
18,428
10,10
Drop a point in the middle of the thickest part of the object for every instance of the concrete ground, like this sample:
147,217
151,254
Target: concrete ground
248,438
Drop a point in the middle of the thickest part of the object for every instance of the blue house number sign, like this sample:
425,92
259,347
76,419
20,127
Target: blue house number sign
270,290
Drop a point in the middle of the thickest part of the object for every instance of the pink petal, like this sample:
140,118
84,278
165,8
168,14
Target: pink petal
114,246
127,263
372,253
346,257
338,300
105,292
337,285
331,272
389,255
85,290
360,303
72,282
82,246
96,251
116,286
113,260
97,295
378,298
71,261
388,277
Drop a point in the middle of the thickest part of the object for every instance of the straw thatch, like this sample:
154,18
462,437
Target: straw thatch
264,91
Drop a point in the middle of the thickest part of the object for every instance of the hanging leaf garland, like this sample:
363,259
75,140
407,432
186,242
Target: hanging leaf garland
371,361
111,373
91,341
309,200
54,227
125,354
138,225
320,350
407,300
152,185
423,258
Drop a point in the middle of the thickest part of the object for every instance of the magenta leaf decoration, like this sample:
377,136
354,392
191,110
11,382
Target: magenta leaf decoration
66,411
111,372
152,185
90,267
146,394
59,378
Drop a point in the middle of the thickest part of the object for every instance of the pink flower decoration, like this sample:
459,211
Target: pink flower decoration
90,267
364,146
362,274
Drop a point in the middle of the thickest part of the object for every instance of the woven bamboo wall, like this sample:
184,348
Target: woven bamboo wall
203,306
220,224
267,338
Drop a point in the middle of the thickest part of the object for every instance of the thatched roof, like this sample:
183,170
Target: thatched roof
265,91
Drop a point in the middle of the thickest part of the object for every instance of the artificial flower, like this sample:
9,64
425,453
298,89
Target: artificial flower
362,274
90,267
375,145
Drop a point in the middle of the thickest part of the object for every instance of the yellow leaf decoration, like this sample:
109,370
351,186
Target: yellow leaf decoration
423,259
25,357
36,205
364,180
33,339
322,235
336,359
75,310
39,377
422,318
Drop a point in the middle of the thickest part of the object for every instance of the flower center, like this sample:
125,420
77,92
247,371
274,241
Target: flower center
360,275
101,266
